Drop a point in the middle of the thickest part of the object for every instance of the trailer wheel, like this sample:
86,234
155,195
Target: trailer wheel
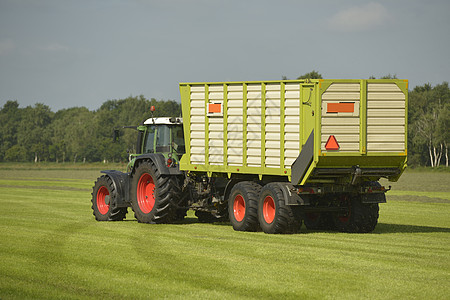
154,196
103,194
243,205
357,217
273,213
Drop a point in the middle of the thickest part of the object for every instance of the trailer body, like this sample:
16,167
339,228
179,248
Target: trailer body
307,131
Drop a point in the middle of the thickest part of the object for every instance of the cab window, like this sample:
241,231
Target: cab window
163,139
178,139
149,140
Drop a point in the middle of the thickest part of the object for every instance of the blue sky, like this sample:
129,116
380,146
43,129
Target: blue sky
82,53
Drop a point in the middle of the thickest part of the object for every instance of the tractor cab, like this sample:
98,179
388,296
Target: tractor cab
162,139
162,135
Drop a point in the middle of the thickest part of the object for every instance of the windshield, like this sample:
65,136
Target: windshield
160,139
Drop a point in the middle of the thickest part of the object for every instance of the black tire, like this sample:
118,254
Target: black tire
154,197
318,221
358,217
273,214
243,205
180,213
103,194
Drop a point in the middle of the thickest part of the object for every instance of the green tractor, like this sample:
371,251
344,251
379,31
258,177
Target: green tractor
154,186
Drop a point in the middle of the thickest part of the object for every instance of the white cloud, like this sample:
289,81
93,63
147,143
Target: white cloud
360,18
6,46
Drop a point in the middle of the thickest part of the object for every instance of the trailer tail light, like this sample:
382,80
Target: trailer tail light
332,143
309,190
169,162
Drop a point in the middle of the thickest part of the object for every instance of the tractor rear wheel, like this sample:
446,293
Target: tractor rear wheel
153,195
243,205
273,213
103,194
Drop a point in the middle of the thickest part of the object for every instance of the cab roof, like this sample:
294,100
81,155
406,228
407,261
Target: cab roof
163,121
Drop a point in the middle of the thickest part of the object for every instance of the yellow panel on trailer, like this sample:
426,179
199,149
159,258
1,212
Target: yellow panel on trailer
306,130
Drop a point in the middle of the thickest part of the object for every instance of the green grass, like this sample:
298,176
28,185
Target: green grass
51,247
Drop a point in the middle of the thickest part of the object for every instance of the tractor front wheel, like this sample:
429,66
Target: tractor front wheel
103,195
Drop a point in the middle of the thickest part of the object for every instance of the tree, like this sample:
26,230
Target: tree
389,76
443,131
33,132
10,118
428,119
311,75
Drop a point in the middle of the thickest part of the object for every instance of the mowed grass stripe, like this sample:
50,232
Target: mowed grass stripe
30,183
51,247
441,195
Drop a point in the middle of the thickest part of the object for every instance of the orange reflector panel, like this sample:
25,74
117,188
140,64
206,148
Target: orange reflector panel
214,108
332,143
342,107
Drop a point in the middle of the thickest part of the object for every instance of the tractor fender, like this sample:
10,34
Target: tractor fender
121,183
160,161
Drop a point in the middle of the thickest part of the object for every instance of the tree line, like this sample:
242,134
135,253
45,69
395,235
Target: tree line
35,133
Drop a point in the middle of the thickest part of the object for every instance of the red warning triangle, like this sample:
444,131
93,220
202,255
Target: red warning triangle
332,143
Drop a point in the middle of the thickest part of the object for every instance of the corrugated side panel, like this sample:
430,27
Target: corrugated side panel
291,123
272,128
235,128
233,106
344,126
385,118
215,127
254,125
197,97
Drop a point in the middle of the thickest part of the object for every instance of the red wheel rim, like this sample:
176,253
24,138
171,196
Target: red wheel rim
103,208
239,208
145,193
269,209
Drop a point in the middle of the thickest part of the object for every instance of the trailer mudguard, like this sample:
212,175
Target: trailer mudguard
303,161
121,182
160,161
290,196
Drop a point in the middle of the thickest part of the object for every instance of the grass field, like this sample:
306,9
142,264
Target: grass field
51,247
